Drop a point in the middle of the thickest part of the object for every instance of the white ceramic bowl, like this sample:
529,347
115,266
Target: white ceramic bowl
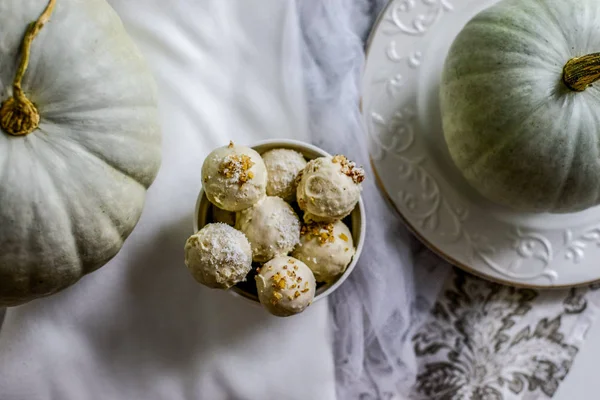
356,222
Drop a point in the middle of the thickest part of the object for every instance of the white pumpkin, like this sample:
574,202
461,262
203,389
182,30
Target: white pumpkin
79,142
520,114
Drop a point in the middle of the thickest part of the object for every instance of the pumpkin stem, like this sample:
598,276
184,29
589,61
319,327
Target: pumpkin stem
580,72
18,115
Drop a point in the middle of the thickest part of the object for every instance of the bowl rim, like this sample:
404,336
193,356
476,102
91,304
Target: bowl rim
361,207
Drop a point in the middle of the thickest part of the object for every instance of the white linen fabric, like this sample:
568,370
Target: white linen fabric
141,328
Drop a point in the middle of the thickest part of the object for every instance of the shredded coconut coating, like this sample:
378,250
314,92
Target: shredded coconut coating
272,227
218,256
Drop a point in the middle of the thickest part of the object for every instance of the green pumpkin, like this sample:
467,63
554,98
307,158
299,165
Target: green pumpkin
79,142
521,115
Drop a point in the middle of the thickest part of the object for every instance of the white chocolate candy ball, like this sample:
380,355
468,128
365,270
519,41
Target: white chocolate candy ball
271,226
234,177
329,188
326,248
283,166
285,286
218,256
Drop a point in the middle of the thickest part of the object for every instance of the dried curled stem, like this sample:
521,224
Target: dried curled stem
581,72
18,115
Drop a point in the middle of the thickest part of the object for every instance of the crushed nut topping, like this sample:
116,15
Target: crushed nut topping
277,295
343,237
296,294
231,144
237,168
322,231
282,283
279,282
305,290
349,168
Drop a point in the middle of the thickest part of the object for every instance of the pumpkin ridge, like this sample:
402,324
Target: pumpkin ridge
106,162
33,274
75,246
597,136
78,245
485,24
594,93
547,53
548,12
483,73
560,193
51,140
49,114
506,138
534,16
4,167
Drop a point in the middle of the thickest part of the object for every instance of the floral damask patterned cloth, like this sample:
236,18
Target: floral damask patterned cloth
487,341
407,324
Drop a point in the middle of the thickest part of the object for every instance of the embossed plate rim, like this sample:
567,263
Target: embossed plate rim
419,25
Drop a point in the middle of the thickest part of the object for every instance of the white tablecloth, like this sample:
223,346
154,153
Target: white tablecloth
141,328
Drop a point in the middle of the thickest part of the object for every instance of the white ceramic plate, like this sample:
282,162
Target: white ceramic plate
402,117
